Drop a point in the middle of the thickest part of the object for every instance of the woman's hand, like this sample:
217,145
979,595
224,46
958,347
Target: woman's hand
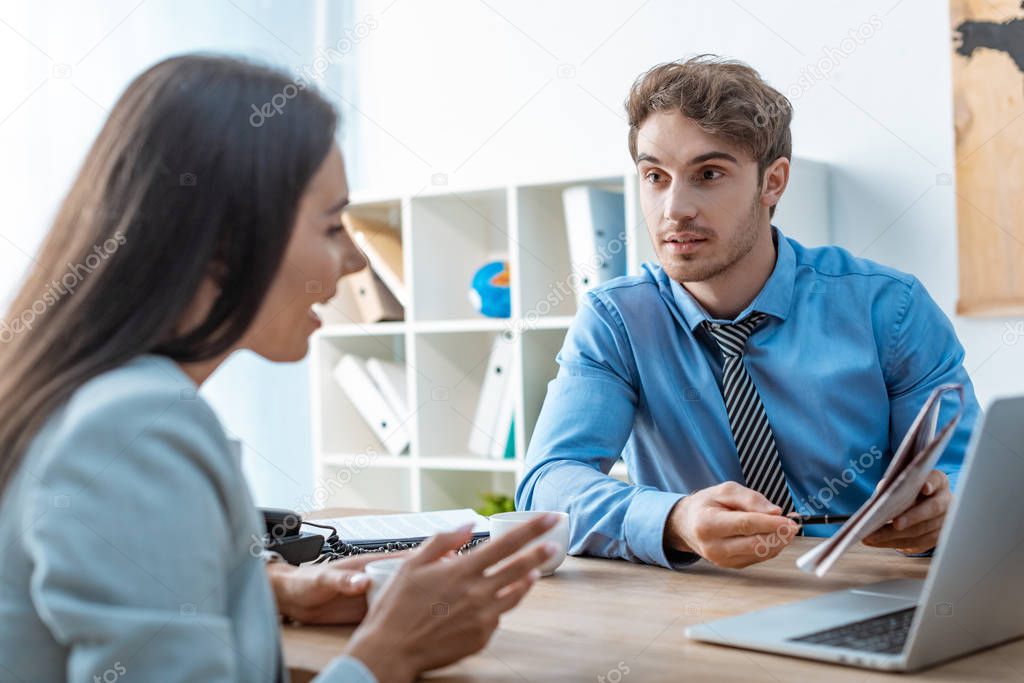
437,610
330,593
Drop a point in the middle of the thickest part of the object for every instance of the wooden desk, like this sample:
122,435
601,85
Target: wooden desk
595,618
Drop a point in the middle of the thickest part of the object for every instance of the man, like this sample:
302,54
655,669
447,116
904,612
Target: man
748,376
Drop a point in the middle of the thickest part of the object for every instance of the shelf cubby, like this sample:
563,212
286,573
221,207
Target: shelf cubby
447,489
453,235
450,370
341,429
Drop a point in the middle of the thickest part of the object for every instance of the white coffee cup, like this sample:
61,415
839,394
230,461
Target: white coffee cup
380,573
503,522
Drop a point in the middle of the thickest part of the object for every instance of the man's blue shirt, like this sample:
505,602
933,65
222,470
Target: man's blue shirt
847,357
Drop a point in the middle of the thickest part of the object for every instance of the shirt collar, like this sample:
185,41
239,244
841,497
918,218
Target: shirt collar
774,299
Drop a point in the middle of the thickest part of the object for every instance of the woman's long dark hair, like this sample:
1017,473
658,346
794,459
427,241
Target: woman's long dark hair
198,171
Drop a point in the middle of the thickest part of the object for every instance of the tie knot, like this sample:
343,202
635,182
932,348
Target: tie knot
732,337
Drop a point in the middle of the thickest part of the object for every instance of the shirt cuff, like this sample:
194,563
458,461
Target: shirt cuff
346,669
645,528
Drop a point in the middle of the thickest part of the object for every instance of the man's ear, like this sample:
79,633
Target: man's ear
774,182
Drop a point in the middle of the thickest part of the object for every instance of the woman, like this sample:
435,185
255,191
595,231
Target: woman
125,521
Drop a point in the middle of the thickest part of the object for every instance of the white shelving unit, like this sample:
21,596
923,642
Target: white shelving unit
446,235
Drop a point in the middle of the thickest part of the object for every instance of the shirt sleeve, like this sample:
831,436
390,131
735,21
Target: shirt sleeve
925,353
583,426
127,539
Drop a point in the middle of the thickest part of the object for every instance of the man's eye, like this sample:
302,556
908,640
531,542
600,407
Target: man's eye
335,230
653,177
710,174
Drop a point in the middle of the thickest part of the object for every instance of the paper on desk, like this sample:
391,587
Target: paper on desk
402,527
899,486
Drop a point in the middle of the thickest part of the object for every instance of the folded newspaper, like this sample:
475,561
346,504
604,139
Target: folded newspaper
899,486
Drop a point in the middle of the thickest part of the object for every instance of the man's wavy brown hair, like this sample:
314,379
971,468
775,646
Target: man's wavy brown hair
724,97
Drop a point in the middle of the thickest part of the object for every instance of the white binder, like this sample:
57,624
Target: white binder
355,381
493,418
595,223
390,379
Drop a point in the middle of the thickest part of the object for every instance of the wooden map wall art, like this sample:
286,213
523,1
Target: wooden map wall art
988,104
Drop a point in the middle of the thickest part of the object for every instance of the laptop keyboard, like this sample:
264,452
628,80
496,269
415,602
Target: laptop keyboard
884,634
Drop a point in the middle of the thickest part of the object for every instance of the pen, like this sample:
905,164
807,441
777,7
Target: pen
819,519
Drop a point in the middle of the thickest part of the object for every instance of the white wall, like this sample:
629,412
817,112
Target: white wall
501,91
64,65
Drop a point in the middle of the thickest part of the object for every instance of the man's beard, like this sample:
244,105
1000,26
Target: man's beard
696,269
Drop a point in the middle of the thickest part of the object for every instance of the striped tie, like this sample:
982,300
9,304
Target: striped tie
755,443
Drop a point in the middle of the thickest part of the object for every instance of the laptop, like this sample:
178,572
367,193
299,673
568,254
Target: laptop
971,599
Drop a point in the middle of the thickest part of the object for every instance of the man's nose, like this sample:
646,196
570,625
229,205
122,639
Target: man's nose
679,206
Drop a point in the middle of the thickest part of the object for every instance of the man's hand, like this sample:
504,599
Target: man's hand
729,525
331,593
917,529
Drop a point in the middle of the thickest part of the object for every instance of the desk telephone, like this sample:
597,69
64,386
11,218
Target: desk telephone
285,537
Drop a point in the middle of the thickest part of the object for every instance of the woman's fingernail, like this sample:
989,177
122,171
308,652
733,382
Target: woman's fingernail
359,580
533,575
550,548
